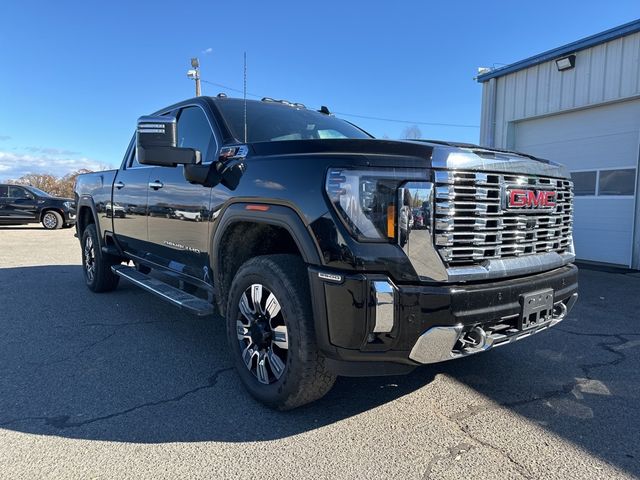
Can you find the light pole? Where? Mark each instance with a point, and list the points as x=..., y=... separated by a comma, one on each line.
x=194, y=74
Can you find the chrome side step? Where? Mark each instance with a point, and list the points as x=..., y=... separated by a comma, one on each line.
x=179, y=298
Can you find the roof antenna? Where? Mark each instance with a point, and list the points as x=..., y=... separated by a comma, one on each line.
x=245, y=97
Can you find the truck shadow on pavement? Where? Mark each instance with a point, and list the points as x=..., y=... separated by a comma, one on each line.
x=126, y=367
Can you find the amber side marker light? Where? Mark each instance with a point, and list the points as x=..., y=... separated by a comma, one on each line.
x=259, y=208
x=391, y=221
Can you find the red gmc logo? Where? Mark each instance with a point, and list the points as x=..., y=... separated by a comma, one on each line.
x=531, y=199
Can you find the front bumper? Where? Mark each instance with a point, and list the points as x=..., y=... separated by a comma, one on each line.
x=358, y=320
x=69, y=217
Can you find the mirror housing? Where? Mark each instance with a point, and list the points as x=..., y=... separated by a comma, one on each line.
x=156, y=140
x=227, y=170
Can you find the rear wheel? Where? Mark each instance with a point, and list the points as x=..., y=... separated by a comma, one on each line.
x=52, y=220
x=271, y=333
x=96, y=264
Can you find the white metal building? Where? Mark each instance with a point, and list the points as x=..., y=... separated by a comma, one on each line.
x=579, y=105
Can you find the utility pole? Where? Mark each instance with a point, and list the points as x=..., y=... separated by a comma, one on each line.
x=194, y=74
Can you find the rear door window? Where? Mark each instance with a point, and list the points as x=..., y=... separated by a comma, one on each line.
x=19, y=192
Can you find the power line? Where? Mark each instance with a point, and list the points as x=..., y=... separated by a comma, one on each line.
x=367, y=117
x=407, y=121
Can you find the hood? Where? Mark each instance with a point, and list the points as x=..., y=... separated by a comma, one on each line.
x=420, y=153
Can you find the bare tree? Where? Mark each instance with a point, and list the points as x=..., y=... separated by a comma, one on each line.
x=412, y=133
x=56, y=186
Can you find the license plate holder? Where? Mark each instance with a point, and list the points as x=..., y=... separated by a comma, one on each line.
x=536, y=308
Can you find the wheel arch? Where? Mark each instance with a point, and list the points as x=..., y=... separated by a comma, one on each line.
x=244, y=233
x=86, y=215
x=44, y=211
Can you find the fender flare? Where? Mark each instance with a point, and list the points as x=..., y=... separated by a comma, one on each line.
x=87, y=201
x=277, y=215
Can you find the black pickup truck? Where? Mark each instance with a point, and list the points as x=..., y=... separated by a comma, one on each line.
x=329, y=252
x=20, y=204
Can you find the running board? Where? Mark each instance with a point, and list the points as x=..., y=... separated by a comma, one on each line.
x=179, y=298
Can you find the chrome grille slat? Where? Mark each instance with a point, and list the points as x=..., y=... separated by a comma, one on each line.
x=471, y=224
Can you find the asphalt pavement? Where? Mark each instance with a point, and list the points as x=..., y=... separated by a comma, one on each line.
x=122, y=385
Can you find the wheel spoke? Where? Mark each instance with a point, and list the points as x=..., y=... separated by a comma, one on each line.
x=263, y=374
x=281, y=337
x=247, y=355
x=277, y=366
x=245, y=309
x=242, y=331
x=273, y=306
x=256, y=297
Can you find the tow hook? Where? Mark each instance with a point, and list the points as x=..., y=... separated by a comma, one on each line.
x=474, y=339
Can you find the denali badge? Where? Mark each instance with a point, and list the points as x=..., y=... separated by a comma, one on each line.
x=534, y=199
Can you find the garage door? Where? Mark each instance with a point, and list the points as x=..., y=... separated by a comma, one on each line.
x=600, y=147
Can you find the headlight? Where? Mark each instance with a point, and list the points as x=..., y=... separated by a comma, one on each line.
x=68, y=205
x=365, y=200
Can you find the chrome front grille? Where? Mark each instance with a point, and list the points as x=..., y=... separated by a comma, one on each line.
x=473, y=224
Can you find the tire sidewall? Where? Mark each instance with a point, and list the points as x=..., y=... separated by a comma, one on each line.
x=57, y=218
x=90, y=231
x=274, y=393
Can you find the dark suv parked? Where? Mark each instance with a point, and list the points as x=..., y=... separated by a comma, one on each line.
x=20, y=204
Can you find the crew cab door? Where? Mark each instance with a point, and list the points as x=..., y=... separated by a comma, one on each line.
x=178, y=210
x=21, y=205
x=128, y=208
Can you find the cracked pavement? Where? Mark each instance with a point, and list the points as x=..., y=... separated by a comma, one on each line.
x=122, y=385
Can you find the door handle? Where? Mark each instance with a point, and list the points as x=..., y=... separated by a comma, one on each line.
x=118, y=185
x=156, y=185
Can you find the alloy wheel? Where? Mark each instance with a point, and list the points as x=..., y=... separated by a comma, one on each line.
x=262, y=334
x=50, y=220
x=89, y=258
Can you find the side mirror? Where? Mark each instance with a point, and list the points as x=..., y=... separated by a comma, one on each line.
x=227, y=170
x=156, y=140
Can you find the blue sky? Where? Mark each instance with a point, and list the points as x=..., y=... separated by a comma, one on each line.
x=74, y=76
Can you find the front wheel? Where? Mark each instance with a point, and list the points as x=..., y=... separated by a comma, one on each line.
x=52, y=220
x=96, y=264
x=271, y=333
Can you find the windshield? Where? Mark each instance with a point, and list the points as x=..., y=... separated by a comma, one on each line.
x=38, y=192
x=272, y=121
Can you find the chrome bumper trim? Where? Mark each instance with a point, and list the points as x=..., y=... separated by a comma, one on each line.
x=511, y=267
x=384, y=297
x=437, y=344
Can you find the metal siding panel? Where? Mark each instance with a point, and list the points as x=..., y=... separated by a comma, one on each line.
x=583, y=78
x=613, y=70
x=567, y=94
x=544, y=88
x=531, y=92
x=500, y=92
x=509, y=98
x=484, y=112
x=555, y=89
x=596, y=75
x=520, y=94
x=630, y=75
